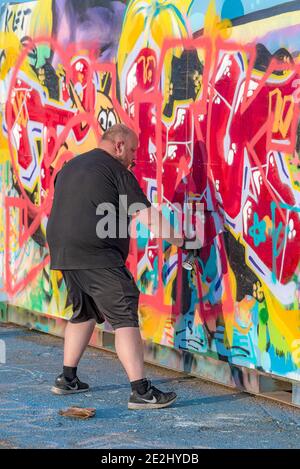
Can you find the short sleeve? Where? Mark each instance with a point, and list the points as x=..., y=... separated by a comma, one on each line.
x=129, y=186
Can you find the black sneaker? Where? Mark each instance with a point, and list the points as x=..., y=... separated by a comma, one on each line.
x=64, y=386
x=152, y=399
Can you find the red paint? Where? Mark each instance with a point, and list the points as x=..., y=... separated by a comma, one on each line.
x=250, y=129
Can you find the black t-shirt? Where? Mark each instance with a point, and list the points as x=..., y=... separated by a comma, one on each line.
x=86, y=181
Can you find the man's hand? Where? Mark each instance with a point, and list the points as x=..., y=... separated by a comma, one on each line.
x=179, y=242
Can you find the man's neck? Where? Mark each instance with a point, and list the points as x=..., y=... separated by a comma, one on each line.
x=107, y=147
x=109, y=150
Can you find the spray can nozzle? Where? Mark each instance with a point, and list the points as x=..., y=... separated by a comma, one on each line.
x=189, y=262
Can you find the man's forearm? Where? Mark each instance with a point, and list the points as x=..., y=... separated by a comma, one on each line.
x=159, y=226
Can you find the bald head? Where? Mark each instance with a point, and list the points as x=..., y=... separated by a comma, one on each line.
x=120, y=142
x=117, y=132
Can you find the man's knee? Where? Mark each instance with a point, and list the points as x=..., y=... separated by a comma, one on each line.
x=126, y=325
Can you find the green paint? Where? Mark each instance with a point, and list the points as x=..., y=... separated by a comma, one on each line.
x=39, y=56
x=277, y=340
x=262, y=337
x=263, y=315
x=267, y=330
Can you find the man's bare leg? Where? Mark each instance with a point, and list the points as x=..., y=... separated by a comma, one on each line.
x=130, y=350
x=77, y=337
x=129, y=347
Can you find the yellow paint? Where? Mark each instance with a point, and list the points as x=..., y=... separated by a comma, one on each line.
x=269, y=224
x=10, y=43
x=55, y=276
x=255, y=30
x=38, y=23
x=147, y=72
x=12, y=47
x=169, y=286
x=91, y=141
x=296, y=351
x=243, y=315
x=213, y=26
x=284, y=107
x=152, y=19
x=153, y=323
x=2, y=227
x=149, y=23
x=4, y=151
x=293, y=163
x=286, y=322
x=230, y=288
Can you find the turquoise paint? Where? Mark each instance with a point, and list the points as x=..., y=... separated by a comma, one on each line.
x=258, y=230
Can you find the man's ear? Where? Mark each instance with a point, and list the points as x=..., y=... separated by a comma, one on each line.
x=119, y=147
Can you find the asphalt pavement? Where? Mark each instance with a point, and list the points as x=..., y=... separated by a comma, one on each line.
x=205, y=415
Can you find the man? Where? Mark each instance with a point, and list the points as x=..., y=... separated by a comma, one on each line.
x=99, y=285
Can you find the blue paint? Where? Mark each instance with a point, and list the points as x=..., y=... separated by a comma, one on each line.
x=289, y=207
x=257, y=230
x=210, y=276
x=241, y=60
x=275, y=232
x=280, y=365
x=232, y=9
x=2, y=2
x=256, y=265
x=28, y=178
x=245, y=181
x=282, y=166
x=230, y=223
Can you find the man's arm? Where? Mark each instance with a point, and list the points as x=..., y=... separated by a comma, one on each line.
x=141, y=209
x=154, y=220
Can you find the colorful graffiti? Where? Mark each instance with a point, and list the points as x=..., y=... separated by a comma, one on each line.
x=213, y=90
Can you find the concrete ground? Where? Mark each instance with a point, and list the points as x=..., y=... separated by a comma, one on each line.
x=205, y=415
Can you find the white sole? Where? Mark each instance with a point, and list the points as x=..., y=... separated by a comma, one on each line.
x=134, y=406
x=56, y=390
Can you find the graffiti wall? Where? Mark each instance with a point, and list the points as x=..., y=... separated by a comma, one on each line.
x=213, y=89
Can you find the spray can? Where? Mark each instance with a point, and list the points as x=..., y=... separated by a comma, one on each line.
x=189, y=262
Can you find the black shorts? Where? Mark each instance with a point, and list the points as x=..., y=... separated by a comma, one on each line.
x=108, y=293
